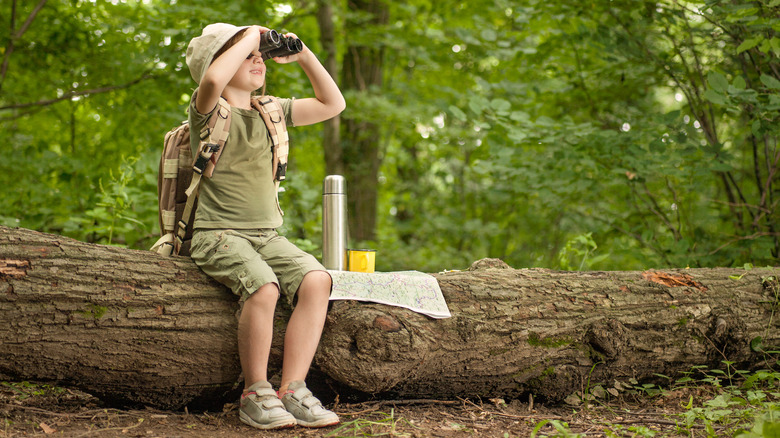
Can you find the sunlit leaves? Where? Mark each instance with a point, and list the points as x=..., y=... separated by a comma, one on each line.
x=506, y=129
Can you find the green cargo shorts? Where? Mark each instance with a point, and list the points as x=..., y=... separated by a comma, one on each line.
x=245, y=260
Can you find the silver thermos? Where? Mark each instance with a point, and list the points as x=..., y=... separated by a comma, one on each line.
x=334, y=223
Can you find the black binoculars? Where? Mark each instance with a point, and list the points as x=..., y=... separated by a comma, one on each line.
x=272, y=44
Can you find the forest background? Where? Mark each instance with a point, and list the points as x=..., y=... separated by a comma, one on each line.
x=571, y=134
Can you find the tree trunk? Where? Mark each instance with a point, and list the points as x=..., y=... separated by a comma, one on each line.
x=362, y=73
x=331, y=137
x=132, y=326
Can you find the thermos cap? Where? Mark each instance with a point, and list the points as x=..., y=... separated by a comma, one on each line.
x=334, y=184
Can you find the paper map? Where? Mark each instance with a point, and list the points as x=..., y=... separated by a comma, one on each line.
x=413, y=290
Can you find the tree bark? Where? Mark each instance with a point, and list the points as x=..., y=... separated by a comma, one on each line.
x=550, y=332
x=132, y=326
x=331, y=136
x=362, y=73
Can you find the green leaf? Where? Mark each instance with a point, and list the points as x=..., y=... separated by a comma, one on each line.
x=517, y=136
x=719, y=166
x=500, y=105
x=750, y=43
x=756, y=344
x=519, y=116
x=457, y=113
x=715, y=97
x=717, y=81
x=771, y=428
x=488, y=35
x=775, y=43
x=477, y=104
x=770, y=82
x=739, y=83
x=671, y=116
x=755, y=127
x=765, y=46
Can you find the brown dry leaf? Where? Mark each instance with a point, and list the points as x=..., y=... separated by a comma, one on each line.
x=46, y=428
x=498, y=402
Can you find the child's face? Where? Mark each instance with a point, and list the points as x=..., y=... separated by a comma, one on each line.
x=251, y=75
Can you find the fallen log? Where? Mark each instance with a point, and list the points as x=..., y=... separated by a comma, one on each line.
x=134, y=327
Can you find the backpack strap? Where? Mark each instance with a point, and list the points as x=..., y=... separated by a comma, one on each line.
x=216, y=130
x=271, y=111
x=212, y=141
x=273, y=115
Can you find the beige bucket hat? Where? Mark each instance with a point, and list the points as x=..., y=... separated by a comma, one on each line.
x=202, y=49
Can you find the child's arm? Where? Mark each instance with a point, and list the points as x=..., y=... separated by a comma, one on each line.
x=328, y=101
x=222, y=69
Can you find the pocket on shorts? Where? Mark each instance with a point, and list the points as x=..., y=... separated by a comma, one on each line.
x=205, y=243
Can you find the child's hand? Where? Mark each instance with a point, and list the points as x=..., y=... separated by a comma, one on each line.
x=259, y=30
x=291, y=58
x=254, y=33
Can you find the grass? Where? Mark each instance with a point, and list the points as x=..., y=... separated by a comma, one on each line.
x=385, y=425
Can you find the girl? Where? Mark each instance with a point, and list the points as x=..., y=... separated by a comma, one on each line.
x=234, y=239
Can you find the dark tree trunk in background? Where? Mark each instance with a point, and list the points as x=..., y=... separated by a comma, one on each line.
x=132, y=326
x=331, y=141
x=362, y=73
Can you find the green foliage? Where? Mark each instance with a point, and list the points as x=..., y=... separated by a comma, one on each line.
x=120, y=207
x=377, y=424
x=526, y=131
x=561, y=429
x=23, y=390
x=579, y=248
x=729, y=402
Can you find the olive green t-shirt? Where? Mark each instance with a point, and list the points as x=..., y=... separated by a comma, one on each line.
x=241, y=193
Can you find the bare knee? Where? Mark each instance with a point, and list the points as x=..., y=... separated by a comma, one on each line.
x=264, y=297
x=315, y=285
x=318, y=280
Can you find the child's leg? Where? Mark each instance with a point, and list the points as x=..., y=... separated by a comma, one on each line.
x=229, y=257
x=255, y=332
x=305, y=327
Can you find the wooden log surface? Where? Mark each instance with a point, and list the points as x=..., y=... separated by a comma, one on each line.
x=134, y=327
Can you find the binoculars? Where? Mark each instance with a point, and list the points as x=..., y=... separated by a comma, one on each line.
x=272, y=44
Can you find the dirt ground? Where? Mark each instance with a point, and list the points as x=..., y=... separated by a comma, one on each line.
x=40, y=410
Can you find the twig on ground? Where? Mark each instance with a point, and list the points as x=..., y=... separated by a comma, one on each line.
x=380, y=403
x=122, y=428
x=516, y=417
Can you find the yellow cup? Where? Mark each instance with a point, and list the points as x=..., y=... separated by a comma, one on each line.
x=361, y=260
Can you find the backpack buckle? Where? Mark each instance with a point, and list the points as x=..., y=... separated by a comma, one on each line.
x=205, y=155
x=200, y=164
x=281, y=171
